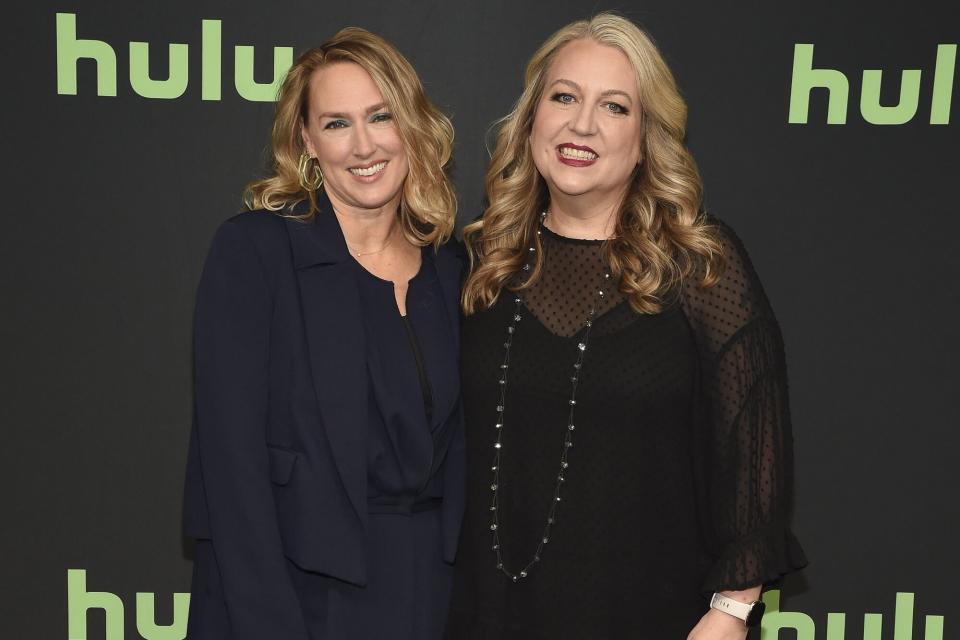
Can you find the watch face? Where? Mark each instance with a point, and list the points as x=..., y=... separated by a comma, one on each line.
x=756, y=613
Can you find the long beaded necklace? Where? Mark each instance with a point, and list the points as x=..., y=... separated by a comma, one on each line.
x=495, y=527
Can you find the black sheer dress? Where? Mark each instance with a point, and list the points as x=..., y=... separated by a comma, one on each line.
x=679, y=477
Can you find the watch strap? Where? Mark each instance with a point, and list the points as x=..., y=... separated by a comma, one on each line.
x=734, y=607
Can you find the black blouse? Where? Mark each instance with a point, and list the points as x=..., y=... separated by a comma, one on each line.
x=413, y=384
x=680, y=474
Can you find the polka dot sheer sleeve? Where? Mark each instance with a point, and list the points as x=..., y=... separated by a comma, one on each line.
x=743, y=445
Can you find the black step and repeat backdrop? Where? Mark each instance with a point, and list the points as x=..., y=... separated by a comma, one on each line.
x=827, y=134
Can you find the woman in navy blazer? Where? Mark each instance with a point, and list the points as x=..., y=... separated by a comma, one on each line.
x=325, y=474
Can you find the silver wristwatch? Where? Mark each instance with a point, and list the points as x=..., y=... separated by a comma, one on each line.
x=749, y=612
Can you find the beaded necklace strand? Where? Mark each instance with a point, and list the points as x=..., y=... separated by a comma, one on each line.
x=495, y=527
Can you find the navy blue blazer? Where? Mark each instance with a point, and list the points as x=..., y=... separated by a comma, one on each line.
x=277, y=461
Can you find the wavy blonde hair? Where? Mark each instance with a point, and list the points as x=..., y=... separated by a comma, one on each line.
x=428, y=204
x=661, y=235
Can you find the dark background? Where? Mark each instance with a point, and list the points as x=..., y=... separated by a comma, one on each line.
x=112, y=202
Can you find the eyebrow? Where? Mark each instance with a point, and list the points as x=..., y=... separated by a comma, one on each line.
x=605, y=94
x=369, y=110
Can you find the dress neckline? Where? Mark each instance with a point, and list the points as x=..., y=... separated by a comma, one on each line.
x=565, y=239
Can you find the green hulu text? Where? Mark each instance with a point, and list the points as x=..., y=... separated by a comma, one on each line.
x=802, y=627
x=806, y=78
x=71, y=49
x=793, y=624
x=80, y=601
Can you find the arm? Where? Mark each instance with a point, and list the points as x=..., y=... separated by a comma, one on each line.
x=231, y=355
x=748, y=462
x=743, y=441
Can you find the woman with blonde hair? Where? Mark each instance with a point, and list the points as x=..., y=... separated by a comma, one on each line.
x=325, y=474
x=624, y=385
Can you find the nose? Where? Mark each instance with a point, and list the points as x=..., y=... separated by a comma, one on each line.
x=583, y=122
x=363, y=144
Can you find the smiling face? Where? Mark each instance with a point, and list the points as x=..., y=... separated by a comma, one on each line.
x=585, y=137
x=352, y=134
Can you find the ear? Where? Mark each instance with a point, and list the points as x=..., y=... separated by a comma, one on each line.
x=307, y=143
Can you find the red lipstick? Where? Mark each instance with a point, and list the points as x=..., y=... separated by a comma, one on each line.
x=576, y=161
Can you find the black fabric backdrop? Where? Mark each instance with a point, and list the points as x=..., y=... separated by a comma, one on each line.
x=112, y=202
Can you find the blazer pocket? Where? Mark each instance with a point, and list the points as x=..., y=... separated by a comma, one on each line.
x=281, y=464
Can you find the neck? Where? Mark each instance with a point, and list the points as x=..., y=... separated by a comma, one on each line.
x=584, y=216
x=366, y=229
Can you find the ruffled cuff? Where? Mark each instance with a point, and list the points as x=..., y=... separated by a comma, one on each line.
x=759, y=558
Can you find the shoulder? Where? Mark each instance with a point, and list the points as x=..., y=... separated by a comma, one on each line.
x=730, y=242
x=738, y=271
x=251, y=241
x=451, y=260
x=451, y=255
x=735, y=300
x=453, y=249
x=263, y=229
x=259, y=231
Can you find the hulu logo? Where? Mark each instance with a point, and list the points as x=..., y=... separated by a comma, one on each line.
x=802, y=627
x=71, y=49
x=806, y=78
x=79, y=601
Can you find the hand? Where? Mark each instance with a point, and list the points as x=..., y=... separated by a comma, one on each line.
x=717, y=625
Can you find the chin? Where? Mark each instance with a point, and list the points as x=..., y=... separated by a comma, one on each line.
x=575, y=187
x=371, y=196
x=374, y=200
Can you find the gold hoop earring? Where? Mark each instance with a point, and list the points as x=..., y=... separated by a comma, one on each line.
x=310, y=180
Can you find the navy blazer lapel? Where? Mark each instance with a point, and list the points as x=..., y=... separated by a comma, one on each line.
x=449, y=266
x=335, y=339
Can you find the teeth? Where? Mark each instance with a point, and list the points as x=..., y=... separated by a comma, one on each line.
x=369, y=171
x=578, y=154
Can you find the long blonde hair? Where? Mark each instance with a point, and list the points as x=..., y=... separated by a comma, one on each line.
x=660, y=237
x=428, y=204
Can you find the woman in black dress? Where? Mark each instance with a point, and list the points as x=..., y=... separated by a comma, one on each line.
x=624, y=384
x=325, y=482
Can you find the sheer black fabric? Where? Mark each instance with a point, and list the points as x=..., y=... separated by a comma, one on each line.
x=572, y=273
x=745, y=443
x=680, y=473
